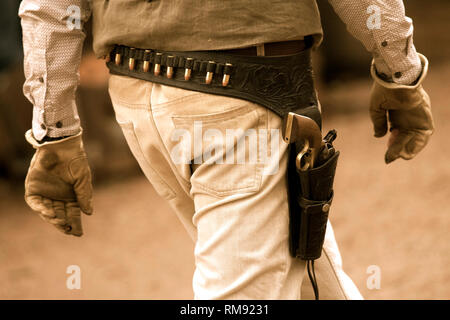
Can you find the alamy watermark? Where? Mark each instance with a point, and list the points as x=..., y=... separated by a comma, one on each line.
x=374, y=20
x=74, y=17
x=374, y=280
x=234, y=146
x=74, y=279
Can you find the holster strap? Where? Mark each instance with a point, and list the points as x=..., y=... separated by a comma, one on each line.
x=312, y=206
x=314, y=217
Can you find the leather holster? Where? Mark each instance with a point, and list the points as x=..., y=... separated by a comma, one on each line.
x=310, y=196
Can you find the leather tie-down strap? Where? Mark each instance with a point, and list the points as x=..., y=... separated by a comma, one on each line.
x=281, y=83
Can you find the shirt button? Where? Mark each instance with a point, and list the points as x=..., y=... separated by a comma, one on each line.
x=397, y=74
x=43, y=126
x=59, y=124
x=41, y=79
x=384, y=43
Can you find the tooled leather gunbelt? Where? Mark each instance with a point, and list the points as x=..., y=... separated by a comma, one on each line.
x=282, y=83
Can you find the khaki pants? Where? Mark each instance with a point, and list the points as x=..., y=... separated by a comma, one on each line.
x=231, y=197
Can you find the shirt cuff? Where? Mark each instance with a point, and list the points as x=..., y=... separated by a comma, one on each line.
x=55, y=124
x=407, y=72
x=393, y=85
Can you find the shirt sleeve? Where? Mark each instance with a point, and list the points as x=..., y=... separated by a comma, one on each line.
x=52, y=33
x=385, y=31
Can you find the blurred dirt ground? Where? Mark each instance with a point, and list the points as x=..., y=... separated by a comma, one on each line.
x=395, y=217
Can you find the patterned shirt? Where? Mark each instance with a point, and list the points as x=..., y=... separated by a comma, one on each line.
x=53, y=38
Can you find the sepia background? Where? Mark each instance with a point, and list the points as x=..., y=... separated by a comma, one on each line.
x=392, y=216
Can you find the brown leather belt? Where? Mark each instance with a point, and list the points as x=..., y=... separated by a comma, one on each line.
x=270, y=49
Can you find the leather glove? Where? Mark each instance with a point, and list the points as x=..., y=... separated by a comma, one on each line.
x=58, y=184
x=408, y=110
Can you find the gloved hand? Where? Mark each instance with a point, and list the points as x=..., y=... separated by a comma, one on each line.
x=58, y=183
x=408, y=110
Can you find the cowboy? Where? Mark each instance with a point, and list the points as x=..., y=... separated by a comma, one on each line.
x=177, y=64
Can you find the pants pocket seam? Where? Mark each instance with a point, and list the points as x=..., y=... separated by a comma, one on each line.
x=261, y=122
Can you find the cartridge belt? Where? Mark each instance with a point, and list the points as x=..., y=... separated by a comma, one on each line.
x=281, y=83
